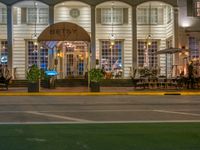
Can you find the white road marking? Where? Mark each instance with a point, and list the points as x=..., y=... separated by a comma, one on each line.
x=57, y=116
x=79, y=111
x=102, y=122
x=176, y=112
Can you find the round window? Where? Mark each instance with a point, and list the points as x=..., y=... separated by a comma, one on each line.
x=74, y=13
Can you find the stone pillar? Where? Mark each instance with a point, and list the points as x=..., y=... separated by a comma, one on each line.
x=134, y=37
x=10, y=37
x=51, y=14
x=93, y=37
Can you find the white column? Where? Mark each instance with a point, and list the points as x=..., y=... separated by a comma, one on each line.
x=51, y=14
x=10, y=37
x=134, y=36
x=176, y=35
x=93, y=37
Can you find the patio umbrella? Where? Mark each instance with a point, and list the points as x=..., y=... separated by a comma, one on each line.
x=170, y=51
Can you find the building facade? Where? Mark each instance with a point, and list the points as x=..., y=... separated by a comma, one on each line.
x=124, y=35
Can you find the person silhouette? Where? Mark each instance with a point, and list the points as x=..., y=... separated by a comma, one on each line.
x=190, y=75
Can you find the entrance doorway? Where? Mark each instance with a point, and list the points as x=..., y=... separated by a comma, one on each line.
x=71, y=59
x=68, y=49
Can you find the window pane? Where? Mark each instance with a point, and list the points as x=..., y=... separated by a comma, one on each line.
x=32, y=15
x=142, y=16
x=194, y=48
x=3, y=15
x=151, y=52
x=106, y=16
x=169, y=14
x=43, y=15
x=111, y=58
x=4, y=52
x=117, y=16
x=154, y=16
x=33, y=56
x=197, y=7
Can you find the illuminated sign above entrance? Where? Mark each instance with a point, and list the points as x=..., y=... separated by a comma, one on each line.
x=64, y=31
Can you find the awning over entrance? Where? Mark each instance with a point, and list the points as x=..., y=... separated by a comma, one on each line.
x=64, y=31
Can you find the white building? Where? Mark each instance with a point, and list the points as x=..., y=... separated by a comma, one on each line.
x=168, y=23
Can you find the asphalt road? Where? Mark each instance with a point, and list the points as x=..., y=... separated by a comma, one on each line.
x=98, y=109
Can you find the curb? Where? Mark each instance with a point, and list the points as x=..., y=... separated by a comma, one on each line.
x=100, y=94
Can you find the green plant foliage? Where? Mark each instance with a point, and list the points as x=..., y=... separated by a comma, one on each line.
x=33, y=74
x=96, y=75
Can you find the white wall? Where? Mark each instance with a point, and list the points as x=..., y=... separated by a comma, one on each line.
x=62, y=14
x=21, y=33
x=158, y=32
x=3, y=28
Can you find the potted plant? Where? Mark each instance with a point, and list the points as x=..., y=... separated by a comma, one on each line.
x=96, y=75
x=33, y=76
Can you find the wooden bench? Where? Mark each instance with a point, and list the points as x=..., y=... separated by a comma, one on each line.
x=4, y=82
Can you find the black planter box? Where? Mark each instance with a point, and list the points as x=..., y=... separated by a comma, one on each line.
x=94, y=87
x=33, y=87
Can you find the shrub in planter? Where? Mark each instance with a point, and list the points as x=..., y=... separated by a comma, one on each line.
x=33, y=76
x=96, y=75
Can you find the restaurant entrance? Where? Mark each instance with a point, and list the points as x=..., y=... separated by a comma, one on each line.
x=71, y=60
x=68, y=49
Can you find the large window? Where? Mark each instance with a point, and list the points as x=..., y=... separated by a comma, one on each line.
x=194, y=48
x=33, y=55
x=111, y=55
x=169, y=14
x=3, y=15
x=142, y=17
x=32, y=15
x=150, y=50
x=4, y=52
x=112, y=15
x=197, y=8
x=37, y=15
x=146, y=15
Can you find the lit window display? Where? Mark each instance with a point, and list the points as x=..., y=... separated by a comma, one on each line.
x=33, y=55
x=111, y=57
x=4, y=52
x=151, y=53
x=197, y=8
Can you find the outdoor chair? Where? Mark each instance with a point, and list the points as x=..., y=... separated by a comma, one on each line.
x=4, y=82
x=162, y=82
x=153, y=82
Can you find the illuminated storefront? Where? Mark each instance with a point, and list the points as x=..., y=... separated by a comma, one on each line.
x=124, y=36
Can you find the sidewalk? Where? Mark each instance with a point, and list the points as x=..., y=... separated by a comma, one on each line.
x=67, y=91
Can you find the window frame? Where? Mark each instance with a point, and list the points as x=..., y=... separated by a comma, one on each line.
x=197, y=8
x=154, y=20
x=3, y=12
x=152, y=53
x=122, y=52
x=38, y=15
x=4, y=43
x=111, y=15
x=169, y=14
x=35, y=60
